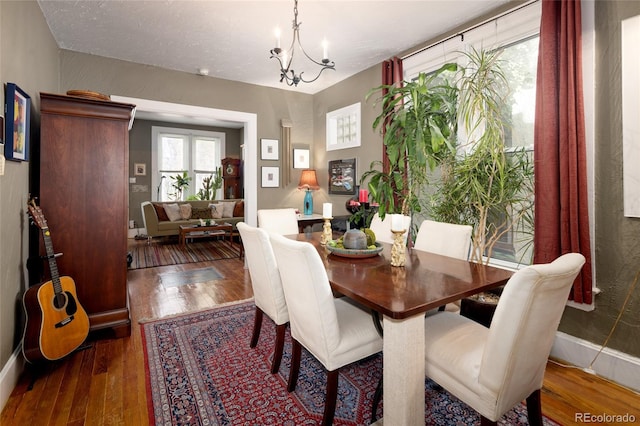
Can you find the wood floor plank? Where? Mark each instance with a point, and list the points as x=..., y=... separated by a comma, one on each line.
x=105, y=384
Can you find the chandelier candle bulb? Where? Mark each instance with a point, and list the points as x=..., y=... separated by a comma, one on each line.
x=277, y=31
x=327, y=210
x=325, y=49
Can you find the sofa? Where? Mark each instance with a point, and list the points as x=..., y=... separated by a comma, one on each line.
x=160, y=219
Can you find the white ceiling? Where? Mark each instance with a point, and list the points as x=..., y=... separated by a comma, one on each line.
x=232, y=39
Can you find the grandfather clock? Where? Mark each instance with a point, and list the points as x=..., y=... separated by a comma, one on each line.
x=232, y=175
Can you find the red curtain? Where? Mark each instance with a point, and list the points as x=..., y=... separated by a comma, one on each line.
x=561, y=210
x=391, y=74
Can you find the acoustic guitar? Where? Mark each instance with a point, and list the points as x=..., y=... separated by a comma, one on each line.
x=56, y=322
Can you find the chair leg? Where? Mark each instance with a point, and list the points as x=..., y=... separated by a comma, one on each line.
x=486, y=422
x=377, y=396
x=296, y=349
x=277, y=353
x=534, y=408
x=331, y=398
x=257, y=324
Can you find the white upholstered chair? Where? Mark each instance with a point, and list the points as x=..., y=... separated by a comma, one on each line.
x=493, y=369
x=334, y=330
x=279, y=221
x=382, y=228
x=267, y=287
x=447, y=239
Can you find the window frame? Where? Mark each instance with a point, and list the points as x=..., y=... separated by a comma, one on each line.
x=190, y=136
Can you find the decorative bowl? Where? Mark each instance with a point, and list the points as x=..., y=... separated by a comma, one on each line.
x=355, y=253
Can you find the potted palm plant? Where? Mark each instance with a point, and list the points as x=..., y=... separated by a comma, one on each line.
x=420, y=123
x=180, y=182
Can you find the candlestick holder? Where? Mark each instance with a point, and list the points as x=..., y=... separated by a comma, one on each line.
x=327, y=233
x=398, y=250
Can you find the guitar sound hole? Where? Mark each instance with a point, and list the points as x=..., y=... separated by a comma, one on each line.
x=59, y=300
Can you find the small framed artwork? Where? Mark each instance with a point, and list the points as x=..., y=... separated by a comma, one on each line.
x=342, y=177
x=300, y=158
x=268, y=149
x=270, y=177
x=140, y=169
x=18, y=115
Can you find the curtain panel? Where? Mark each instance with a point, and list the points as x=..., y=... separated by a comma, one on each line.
x=392, y=73
x=561, y=205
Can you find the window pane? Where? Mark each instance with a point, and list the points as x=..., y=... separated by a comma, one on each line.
x=206, y=154
x=520, y=63
x=172, y=150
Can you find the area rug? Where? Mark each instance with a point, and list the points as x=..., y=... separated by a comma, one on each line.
x=200, y=370
x=170, y=252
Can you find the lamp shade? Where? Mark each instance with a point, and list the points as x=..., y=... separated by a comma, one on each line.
x=308, y=180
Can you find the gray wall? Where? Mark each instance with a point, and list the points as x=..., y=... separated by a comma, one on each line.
x=28, y=58
x=128, y=79
x=140, y=152
x=617, y=238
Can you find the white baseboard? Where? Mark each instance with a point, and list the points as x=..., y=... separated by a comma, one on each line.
x=133, y=232
x=614, y=365
x=9, y=375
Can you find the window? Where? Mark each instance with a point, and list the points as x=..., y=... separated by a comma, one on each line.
x=343, y=128
x=517, y=34
x=177, y=151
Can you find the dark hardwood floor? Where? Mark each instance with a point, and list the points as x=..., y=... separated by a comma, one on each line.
x=105, y=383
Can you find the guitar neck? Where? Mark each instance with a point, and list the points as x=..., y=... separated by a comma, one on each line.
x=51, y=257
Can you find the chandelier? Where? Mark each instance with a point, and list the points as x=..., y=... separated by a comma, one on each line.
x=285, y=57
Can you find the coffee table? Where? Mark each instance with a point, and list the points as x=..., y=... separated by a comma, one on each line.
x=191, y=232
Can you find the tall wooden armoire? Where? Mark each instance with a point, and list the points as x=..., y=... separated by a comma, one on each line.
x=84, y=196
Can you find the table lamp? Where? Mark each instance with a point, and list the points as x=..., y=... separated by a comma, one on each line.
x=308, y=182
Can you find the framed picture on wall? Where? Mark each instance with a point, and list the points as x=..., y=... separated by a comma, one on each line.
x=270, y=177
x=18, y=115
x=269, y=149
x=342, y=177
x=300, y=158
x=140, y=169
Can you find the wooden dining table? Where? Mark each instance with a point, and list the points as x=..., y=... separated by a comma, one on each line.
x=402, y=295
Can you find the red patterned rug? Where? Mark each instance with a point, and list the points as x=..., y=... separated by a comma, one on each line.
x=169, y=252
x=200, y=370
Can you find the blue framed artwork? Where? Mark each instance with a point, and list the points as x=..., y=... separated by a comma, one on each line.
x=17, y=111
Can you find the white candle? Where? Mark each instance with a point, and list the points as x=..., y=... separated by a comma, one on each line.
x=327, y=210
x=277, y=37
x=396, y=222
x=325, y=49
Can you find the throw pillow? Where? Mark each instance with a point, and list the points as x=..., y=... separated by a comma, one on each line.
x=185, y=211
x=238, y=210
x=162, y=215
x=173, y=211
x=216, y=210
x=227, y=208
x=201, y=213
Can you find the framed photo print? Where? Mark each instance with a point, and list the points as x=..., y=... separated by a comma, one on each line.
x=270, y=177
x=268, y=149
x=342, y=177
x=140, y=169
x=18, y=115
x=300, y=158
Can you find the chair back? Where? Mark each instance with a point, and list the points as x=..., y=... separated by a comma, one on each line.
x=263, y=269
x=280, y=221
x=382, y=228
x=447, y=239
x=312, y=311
x=524, y=327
